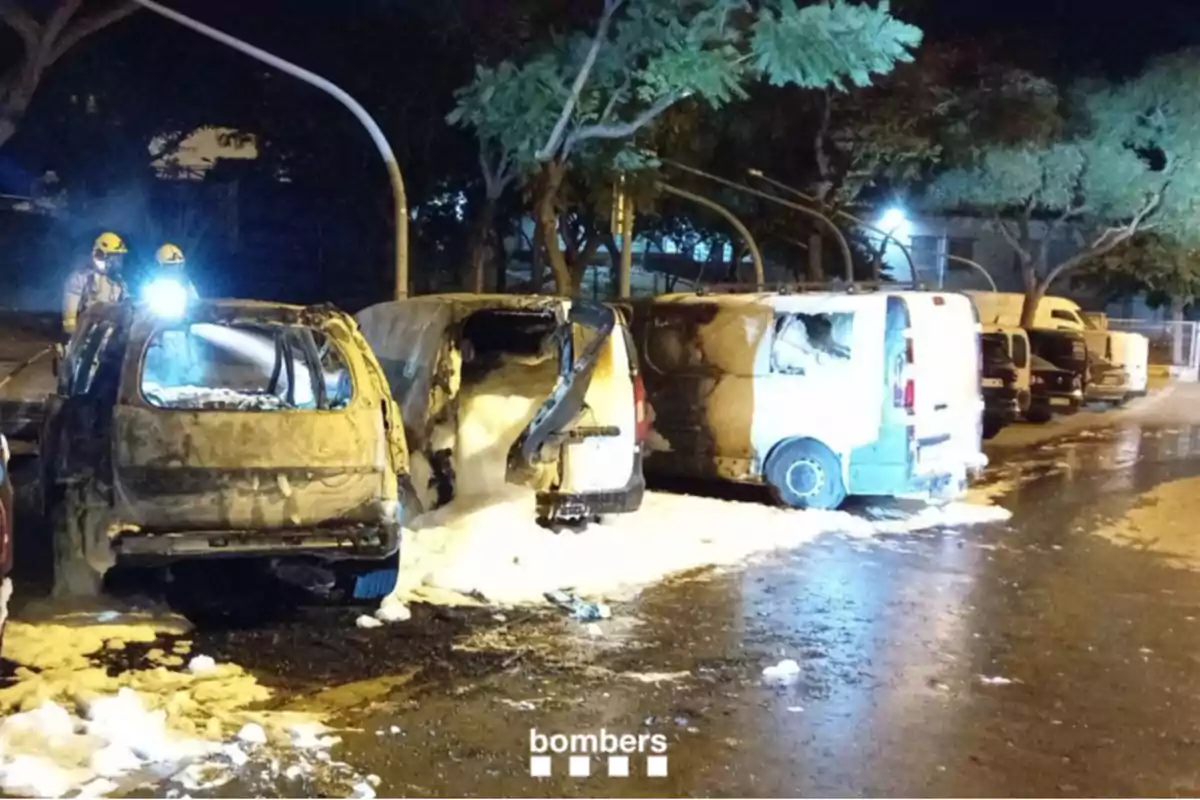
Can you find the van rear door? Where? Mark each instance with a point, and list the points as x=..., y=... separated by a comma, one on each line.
x=589, y=424
x=948, y=403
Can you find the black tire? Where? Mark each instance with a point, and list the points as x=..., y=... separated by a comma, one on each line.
x=991, y=428
x=1038, y=416
x=73, y=575
x=804, y=473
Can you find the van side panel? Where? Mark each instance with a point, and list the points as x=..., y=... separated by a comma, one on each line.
x=836, y=401
x=884, y=467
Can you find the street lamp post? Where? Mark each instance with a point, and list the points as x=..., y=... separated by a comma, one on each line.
x=337, y=93
x=755, y=254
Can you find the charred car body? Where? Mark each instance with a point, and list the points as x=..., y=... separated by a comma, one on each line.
x=248, y=429
x=575, y=361
x=1001, y=404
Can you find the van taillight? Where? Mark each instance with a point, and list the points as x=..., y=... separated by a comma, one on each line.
x=639, y=403
x=910, y=395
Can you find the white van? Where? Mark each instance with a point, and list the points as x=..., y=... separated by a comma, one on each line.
x=1131, y=352
x=1017, y=344
x=817, y=395
x=555, y=397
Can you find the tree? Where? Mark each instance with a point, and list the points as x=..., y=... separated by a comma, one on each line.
x=1160, y=267
x=45, y=38
x=588, y=97
x=1128, y=164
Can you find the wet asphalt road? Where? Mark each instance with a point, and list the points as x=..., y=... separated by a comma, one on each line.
x=1098, y=646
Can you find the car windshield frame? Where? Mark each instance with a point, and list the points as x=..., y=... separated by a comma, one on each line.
x=320, y=397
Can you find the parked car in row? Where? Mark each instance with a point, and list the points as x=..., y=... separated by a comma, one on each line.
x=1054, y=391
x=582, y=449
x=818, y=395
x=1015, y=342
x=246, y=429
x=1128, y=351
x=1107, y=383
x=1001, y=406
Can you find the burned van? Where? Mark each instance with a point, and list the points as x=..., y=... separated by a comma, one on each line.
x=501, y=390
x=243, y=429
x=818, y=395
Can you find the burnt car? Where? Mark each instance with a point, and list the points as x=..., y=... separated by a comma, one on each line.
x=1054, y=391
x=498, y=390
x=241, y=429
x=1001, y=406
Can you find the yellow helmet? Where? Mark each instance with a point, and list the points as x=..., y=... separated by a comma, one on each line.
x=169, y=256
x=110, y=244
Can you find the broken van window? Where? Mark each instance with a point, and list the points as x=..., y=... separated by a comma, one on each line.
x=491, y=338
x=809, y=341
x=245, y=368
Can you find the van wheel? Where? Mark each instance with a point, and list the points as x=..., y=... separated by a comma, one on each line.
x=991, y=428
x=73, y=575
x=805, y=474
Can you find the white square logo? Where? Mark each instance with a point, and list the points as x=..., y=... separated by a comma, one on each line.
x=579, y=766
x=539, y=766
x=656, y=766
x=618, y=766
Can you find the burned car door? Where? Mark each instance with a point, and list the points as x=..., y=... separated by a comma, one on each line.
x=588, y=425
x=75, y=435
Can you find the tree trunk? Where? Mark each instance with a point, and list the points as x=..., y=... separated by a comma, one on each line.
x=553, y=173
x=816, y=269
x=501, y=261
x=536, y=268
x=477, y=246
x=1033, y=295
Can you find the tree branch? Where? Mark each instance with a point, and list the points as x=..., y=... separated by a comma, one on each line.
x=1013, y=241
x=581, y=79
x=1107, y=241
x=622, y=130
x=85, y=27
x=54, y=27
x=22, y=23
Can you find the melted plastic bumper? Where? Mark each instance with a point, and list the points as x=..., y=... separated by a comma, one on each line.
x=335, y=543
x=561, y=507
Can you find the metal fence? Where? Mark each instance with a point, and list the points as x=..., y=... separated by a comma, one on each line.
x=1174, y=345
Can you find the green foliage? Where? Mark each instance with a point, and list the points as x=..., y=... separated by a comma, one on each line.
x=1128, y=144
x=829, y=44
x=656, y=53
x=1151, y=264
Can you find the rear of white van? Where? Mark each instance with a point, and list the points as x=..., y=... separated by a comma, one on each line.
x=947, y=400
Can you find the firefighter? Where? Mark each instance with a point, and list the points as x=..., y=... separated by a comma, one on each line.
x=172, y=264
x=98, y=282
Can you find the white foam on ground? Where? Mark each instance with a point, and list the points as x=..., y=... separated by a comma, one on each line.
x=72, y=728
x=498, y=550
x=487, y=541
